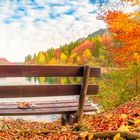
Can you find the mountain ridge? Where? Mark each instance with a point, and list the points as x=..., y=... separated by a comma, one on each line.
x=99, y=32
x=4, y=61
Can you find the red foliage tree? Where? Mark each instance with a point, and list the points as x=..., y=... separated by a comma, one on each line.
x=126, y=28
x=83, y=46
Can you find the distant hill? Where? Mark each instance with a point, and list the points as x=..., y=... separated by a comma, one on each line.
x=85, y=50
x=81, y=39
x=5, y=61
x=100, y=32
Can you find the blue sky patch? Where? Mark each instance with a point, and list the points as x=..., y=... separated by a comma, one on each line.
x=56, y=5
x=8, y=20
x=54, y=15
x=16, y=17
x=99, y=1
x=21, y=11
x=39, y=8
x=93, y=1
x=69, y=12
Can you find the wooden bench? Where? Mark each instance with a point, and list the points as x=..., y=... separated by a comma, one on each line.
x=61, y=106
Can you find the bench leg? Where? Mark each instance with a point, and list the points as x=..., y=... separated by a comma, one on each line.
x=68, y=119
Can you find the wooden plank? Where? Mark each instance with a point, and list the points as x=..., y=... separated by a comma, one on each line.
x=43, y=90
x=44, y=70
x=60, y=101
x=95, y=72
x=44, y=105
x=84, y=90
x=41, y=102
x=43, y=111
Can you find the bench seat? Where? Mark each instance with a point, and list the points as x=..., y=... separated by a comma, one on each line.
x=44, y=108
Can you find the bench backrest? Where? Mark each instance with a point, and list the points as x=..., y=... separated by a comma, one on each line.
x=82, y=89
x=13, y=91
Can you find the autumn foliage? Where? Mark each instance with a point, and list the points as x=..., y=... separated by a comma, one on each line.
x=73, y=53
x=83, y=46
x=124, y=27
x=133, y=2
x=118, y=124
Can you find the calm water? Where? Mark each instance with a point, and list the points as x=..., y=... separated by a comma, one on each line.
x=41, y=80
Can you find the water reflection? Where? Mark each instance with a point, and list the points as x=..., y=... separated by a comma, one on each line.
x=39, y=80
x=54, y=80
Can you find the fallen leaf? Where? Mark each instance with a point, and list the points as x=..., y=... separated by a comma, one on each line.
x=90, y=136
x=4, y=127
x=123, y=128
x=24, y=105
x=136, y=121
x=64, y=128
x=118, y=137
x=109, y=115
x=124, y=116
x=83, y=134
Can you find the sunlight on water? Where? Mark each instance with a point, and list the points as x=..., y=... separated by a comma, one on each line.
x=16, y=81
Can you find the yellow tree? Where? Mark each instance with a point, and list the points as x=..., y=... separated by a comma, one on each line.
x=78, y=60
x=40, y=58
x=87, y=55
x=53, y=61
x=63, y=57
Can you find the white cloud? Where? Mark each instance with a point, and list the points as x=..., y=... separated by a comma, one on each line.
x=23, y=37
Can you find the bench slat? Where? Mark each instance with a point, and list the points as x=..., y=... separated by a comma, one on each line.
x=44, y=71
x=43, y=105
x=43, y=90
x=42, y=102
x=43, y=111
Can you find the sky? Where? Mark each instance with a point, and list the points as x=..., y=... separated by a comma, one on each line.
x=30, y=26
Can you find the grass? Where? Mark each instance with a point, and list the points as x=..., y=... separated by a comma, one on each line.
x=117, y=87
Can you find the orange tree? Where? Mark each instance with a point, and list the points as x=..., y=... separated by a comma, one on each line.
x=126, y=28
x=124, y=49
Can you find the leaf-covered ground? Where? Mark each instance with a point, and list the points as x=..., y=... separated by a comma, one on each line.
x=118, y=123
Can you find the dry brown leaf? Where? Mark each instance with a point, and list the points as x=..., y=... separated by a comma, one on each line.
x=24, y=105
